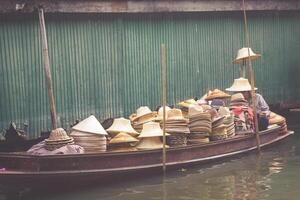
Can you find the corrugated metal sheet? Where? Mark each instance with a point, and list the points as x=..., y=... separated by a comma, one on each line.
x=109, y=65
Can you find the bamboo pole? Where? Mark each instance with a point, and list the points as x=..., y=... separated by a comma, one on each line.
x=163, y=78
x=253, y=97
x=244, y=68
x=47, y=67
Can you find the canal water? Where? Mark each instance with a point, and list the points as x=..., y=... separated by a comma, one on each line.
x=274, y=174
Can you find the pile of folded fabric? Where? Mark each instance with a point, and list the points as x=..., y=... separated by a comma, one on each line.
x=219, y=130
x=90, y=135
x=228, y=120
x=143, y=115
x=177, y=127
x=122, y=142
x=150, y=137
x=200, y=125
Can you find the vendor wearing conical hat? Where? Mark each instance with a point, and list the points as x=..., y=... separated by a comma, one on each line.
x=242, y=85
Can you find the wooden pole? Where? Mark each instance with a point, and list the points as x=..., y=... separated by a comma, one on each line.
x=252, y=81
x=244, y=68
x=47, y=67
x=163, y=78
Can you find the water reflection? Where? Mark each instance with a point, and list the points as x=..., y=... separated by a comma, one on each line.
x=271, y=175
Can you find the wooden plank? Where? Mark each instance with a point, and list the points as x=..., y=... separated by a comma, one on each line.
x=147, y=6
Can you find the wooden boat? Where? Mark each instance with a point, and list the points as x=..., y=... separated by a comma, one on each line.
x=21, y=168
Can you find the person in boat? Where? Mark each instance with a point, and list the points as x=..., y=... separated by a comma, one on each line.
x=242, y=85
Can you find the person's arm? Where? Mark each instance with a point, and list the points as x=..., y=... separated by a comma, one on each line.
x=262, y=105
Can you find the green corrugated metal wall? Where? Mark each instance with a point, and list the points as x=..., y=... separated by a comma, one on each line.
x=109, y=64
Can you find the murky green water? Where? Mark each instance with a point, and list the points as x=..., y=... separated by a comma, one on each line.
x=275, y=174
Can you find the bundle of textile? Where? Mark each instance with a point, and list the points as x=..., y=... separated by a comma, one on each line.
x=143, y=115
x=228, y=120
x=90, y=134
x=177, y=127
x=150, y=137
x=200, y=124
x=122, y=142
x=243, y=115
x=279, y=120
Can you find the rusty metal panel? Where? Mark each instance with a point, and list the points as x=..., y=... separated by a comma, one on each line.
x=110, y=64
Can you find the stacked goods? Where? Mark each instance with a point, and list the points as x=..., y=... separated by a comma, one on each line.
x=185, y=105
x=279, y=120
x=123, y=135
x=121, y=125
x=200, y=125
x=150, y=137
x=228, y=121
x=217, y=95
x=90, y=135
x=58, y=138
x=243, y=115
x=159, y=117
x=177, y=127
x=143, y=115
x=122, y=142
x=218, y=129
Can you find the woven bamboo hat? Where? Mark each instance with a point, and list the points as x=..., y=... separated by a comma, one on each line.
x=187, y=103
x=151, y=129
x=143, y=114
x=240, y=85
x=58, y=135
x=122, y=138
x=90, y=125
x=175, y=114
x=121, y=125
x=243, y=54
x=160, y=113
x=150, y=143
x=216, y=94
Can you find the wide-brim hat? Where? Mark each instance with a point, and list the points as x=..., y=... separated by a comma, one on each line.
x=243, y=54
x=150, y=143
x=58, y=135
x=175, y=114
x=90, y=125
x=216, y=94
x=187, y=103
x=238, y=98
x=151, y=129
x=142, y=112
x=121, y=125
x=240, y=85
x=122, y=138
x=160, y=113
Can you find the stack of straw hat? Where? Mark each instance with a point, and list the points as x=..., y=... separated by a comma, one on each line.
x=216, y=94
x=185, y=105
x=219, y=131
x=238, y=100
x=90, y=134
x=200, y=124
x=121, y=125
x=279, y=120
x=58, y=138
x=143, y=115
x=150, y=137
x=123, y=135
x=228, y=121
x=177, y=127
x=123, y=142
x=159, y=117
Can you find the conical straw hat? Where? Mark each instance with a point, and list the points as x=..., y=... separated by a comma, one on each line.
x=240, y=85
x=90, y=125
x=121, y=125
x=243, y=54
x=151, y=129
x=150, y=143
x=160, y=113
x=175, y=114
x=123, y=138
x=216, y=94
